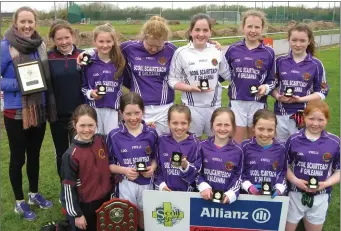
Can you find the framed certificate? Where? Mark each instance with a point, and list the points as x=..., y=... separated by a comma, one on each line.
x=30, y=77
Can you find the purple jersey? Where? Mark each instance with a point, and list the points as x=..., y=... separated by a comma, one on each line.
x=318, y=158
x=221, y=167
x=147, y=73
x=175, y=178
x=306, y=77
x=101, y=73
x=250, y=67
x=268, y=165
x=125, y=149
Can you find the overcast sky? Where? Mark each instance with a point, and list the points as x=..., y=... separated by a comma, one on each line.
x=11, y=6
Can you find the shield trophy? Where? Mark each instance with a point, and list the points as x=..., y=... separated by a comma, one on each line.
x=117, y=215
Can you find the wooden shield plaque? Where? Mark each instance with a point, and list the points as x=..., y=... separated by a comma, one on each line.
x=117, y=215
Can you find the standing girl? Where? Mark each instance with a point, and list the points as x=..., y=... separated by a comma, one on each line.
x=148, y=61
x=170, y=178
x=252, y=65
x=25, y=115
x=66, y=82
x=85, y=172
x=264, y=156
x=222, y=159
x=301, y=72
x=312, y=152
x=199, y=60
x=133, y=142
x=105, y=70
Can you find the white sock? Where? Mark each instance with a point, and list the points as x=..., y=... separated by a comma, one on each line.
x=19, y=201
x=32, y=194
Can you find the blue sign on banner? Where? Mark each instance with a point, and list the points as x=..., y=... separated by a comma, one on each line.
x=240, y=215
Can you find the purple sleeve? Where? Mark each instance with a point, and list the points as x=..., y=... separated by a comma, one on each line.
x=154, y=154
x=85, y=85
x=282, y=174
x=194, y=167
x=276, y=72
x=270, y=79
x=110, y=149
x=289, y=156
x=158, y=173
x=236, y=179
x=320, y=82
x=200, y=178
x=336, y=161
x=245, y=175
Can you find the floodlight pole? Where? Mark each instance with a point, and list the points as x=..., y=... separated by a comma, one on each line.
x=55, y=13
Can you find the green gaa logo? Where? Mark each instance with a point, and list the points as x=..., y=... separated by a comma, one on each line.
x=167, y=214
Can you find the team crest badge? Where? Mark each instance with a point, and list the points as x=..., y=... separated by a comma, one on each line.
x=214, y=62
x=162, y=61
x=327, y=157
x=275, y=165
x=148, y=150
x=324, y=85
x=259, y=63
x=306, y=76
x=229, y=165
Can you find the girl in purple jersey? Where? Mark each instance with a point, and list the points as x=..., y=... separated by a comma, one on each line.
x=105, y=73
x=222, y=159
x=301, y=78
x=252, y=66
x=129, y=144
x=314, y=160
x=178, y=178
x=264, y=156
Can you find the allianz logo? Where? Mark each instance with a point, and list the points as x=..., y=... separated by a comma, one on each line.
x=260, y=215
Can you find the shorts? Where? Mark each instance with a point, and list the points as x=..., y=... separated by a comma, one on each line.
x=285, y=127
x=201, y=120
x=159, y=115
x=107, y=120
x=315, y=215
x=244, y=111
x=132, y=192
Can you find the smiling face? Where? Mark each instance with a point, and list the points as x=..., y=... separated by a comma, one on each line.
x=265, y=131
x=25, y=23
x=299, y=42
x=85, y=128
x=222, y=126
x=200, y=33
x=179, y=125
x=104, y=42
x=63, y=40
x=132, y=116
x=253, y=29
x=315, y=122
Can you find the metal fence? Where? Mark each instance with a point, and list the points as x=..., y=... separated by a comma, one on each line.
x=281, y=46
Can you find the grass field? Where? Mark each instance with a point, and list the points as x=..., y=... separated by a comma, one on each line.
x=49, y=182
x=133, y=30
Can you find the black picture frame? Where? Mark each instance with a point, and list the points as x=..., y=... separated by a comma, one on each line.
x=24, y=81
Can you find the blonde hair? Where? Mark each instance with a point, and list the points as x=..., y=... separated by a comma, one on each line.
x=116, y=55
x=156, y=27
x=256, y=13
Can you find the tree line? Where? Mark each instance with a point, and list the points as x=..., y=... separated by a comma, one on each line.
x=107, y=11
